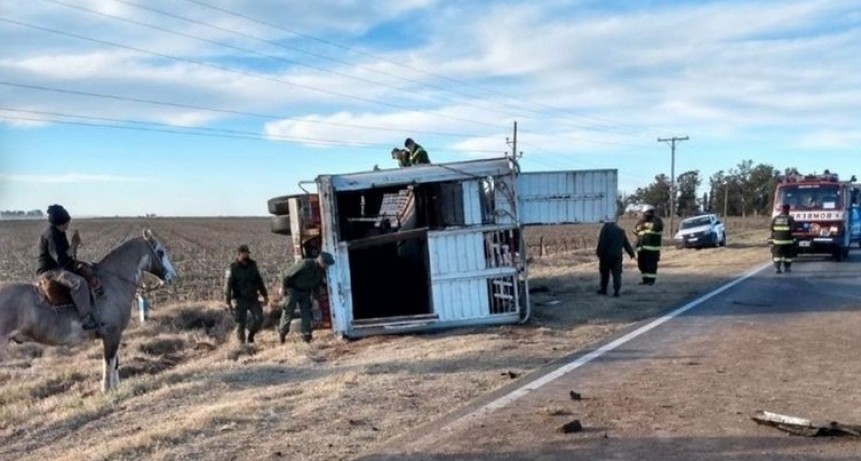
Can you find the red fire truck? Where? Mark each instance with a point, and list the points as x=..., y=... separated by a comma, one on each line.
x=826, y=212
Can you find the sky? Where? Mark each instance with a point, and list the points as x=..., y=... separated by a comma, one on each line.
x=204, y=108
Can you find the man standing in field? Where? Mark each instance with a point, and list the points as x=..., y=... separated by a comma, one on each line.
x=649, y=231
x=611, y=242
x=299, y=284
x=782, y=243
x=242, y=285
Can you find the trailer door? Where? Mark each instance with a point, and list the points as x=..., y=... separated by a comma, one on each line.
x=566, y=197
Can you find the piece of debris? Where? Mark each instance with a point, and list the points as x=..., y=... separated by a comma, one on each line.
x=539, y=289
x=552, y=302
x=806, y=427
x=575, y=395
x=277, y=454
x=572, y=427
x=511, y=374
x=559, y=412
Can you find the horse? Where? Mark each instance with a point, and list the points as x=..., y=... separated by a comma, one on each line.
x=27, y=316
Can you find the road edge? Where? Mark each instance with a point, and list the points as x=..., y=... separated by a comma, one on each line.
x=553, y=370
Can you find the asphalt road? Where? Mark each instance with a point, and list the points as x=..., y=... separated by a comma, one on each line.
x=684, y=388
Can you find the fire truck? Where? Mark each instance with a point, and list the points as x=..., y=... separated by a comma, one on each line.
x=827, y=212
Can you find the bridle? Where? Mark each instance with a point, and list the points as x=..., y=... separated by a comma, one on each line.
x=139, y=286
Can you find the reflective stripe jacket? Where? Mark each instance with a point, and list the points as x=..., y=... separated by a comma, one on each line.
x=418, y=155
x=781, y=229
x=649, y=232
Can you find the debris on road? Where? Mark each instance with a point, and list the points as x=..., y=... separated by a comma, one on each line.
x=511, y=374
x=575, y=395
x=572, y=427
x=806, y=427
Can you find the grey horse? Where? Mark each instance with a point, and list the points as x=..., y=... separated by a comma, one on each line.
x=25, y=316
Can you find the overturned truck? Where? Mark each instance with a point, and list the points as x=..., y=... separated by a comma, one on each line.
x=434, y=246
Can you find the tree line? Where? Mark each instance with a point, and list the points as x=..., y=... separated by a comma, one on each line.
x=744, y=190
x=21, y=214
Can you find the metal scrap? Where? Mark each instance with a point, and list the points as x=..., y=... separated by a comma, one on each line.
x=805, y=427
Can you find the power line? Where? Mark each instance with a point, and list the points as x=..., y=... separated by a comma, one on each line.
x=197, y=131
x=229, y=111
x=384, y=59
x=236, y=71
x=258, y=54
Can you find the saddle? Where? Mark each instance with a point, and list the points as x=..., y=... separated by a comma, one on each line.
x=58, y=295
x=53, y=293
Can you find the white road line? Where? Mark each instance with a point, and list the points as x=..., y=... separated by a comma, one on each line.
x=567, y=368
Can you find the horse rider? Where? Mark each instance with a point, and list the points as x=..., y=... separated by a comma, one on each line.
x=298, y=285
x=241, y=288
x=417, y=155
x=58, y=265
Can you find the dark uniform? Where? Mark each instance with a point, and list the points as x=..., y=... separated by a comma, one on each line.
x=611, y=242
x=416, y=154
x=782, y=243
x=649, y=231
x=298, y=284
x=56, y=264
x=243, y=283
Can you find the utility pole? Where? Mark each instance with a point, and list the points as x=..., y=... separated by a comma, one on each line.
x=513, y=143
x=672, y=141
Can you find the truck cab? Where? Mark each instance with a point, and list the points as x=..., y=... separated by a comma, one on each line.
x=825, y=209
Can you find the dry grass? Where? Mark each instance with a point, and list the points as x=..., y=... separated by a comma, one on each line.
x=190, y=393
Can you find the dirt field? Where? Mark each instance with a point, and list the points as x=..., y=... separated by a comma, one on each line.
x=189, y=393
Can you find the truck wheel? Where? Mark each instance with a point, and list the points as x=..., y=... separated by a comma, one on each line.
x=280, y=225
x=280, y=205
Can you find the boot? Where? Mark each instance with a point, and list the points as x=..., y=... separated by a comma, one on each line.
x=250, y=338
x=787, y=268
x=89, y=322
x=306, y=337
x=282, y=337
x=644, y=282
x=602, y=291
x=616, y=294
x=240, y=334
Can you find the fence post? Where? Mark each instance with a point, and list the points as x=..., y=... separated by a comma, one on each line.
x=541, y=250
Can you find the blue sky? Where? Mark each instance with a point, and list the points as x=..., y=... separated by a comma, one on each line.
x=592, y=84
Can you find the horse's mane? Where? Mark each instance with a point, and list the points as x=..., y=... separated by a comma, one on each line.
x=120, y=248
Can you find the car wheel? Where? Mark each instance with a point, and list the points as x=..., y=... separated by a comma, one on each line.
x=723, y=240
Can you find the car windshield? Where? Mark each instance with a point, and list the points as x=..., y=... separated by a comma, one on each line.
x=696, y=222
x=809, y=197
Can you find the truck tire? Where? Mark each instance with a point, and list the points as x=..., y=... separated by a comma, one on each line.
x=280, y=205
x=280, y=225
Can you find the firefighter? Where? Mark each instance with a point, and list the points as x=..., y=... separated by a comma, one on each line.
x=649, y=230
x=782, y=243
x=242, y=286
x=417, y=154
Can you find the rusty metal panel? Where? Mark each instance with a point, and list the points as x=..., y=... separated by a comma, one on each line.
x=566, y=197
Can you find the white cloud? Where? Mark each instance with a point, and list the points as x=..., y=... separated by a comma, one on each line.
x=68, y=178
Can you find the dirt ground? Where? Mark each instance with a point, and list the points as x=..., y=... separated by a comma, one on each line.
x=687, y=389
x=189, y=393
